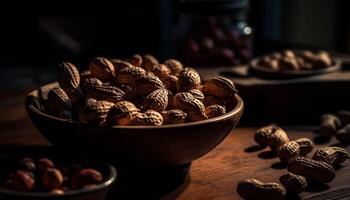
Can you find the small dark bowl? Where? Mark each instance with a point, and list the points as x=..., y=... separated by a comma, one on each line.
x=166, y=145
x=264, y=72
x=97, y=193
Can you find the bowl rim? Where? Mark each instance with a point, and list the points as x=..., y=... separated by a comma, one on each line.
x=108, y=182
x=256, y=67
x=236, y=110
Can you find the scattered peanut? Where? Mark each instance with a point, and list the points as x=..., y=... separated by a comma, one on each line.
x=316, y=170
x=277, y=139
x=329, y=125
x=305, y=145
x=262, y=135
x=331, y=155
x=293, y=183
x=343, y=135
x=288, y=151
x=254, y=189
x=344, y=116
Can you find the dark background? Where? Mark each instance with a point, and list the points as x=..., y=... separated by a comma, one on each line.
x=40, y=36
x=34, y=40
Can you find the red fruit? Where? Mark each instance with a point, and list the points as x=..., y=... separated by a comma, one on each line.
x=45, y=163
x=86, y=177
x=52, y=179
x=20, y=181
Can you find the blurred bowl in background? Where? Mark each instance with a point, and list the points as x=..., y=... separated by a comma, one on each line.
x=98, y=192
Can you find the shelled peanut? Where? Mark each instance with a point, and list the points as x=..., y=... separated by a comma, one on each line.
x=137, y=91
x=43, y=175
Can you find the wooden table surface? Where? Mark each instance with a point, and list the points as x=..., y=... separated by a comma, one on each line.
x=213, y=176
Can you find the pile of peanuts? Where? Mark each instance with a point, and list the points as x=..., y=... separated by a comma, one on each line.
x=43, y=175
x=301, y=169
x=291, y=61
x=137, y=91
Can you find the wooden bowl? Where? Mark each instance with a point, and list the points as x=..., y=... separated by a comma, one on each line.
x=166, y=145
x=264, y=72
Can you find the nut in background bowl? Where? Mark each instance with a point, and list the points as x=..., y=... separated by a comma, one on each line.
x=166, y=145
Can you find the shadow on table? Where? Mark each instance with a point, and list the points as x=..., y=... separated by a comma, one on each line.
x=254, y=148
x=316, y=187
x=279, y=165
x=267, y=154
x=145, y=183
x=339, y=144
x=292, y=196
x=321, y=139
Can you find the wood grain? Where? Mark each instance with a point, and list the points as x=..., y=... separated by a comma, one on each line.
x=213, y=176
